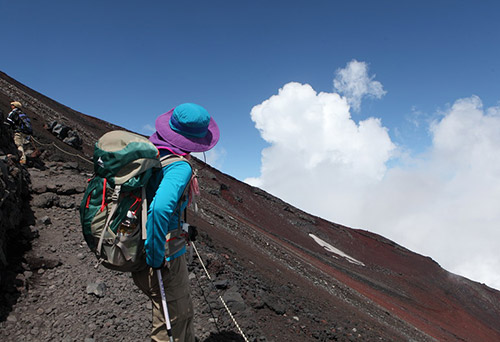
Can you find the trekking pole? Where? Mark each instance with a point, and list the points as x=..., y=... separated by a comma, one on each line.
x=164, y=303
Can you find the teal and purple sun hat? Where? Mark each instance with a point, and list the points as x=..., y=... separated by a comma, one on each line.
x=188, y=128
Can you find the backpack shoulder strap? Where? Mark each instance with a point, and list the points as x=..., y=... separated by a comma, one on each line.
x=166, y=160
x=144, y=212
x=174, y=239
x=172, y=158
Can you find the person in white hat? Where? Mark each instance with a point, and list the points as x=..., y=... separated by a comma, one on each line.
x=18, y=121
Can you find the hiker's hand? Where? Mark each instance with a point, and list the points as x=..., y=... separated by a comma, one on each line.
x=192, y=233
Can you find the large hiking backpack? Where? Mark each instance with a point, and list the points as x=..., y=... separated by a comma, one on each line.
x=123, y=164
x=25, y=124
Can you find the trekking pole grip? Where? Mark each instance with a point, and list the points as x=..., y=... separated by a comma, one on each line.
x=164, y=304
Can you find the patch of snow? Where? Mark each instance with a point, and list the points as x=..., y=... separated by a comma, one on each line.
x=334, y=250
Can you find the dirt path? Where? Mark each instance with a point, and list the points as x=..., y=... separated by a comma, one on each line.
x=62, y=297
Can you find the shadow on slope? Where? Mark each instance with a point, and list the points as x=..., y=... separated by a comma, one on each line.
x=13, y=278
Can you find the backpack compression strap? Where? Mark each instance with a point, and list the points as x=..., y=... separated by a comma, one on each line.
x=114, y=205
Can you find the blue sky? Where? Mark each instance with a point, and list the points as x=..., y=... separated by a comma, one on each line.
x=127, y=62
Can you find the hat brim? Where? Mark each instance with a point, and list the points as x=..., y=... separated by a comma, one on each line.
x=188, y=144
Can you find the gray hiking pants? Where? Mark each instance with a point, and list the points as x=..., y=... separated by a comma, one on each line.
x=179, y=303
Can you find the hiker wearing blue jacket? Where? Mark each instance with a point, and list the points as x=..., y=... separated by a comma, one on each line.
x=186, y=128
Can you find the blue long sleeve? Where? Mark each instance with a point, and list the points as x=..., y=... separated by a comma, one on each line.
x=167, y=186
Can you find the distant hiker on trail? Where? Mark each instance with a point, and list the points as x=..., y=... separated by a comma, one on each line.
x=21, y=125
x=186, y=128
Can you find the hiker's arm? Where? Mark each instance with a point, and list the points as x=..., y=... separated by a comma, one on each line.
x=12, y=118
x=161, y=210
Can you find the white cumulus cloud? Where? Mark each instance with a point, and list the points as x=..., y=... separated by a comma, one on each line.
x=444, y=203
x=317, y=151
x=354, y=82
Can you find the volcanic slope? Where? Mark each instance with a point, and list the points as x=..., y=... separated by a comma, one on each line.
x=287, y=275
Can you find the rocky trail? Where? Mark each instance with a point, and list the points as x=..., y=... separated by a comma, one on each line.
x=60, y=296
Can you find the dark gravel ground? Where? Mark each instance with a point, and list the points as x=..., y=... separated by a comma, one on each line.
x=60, y=296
